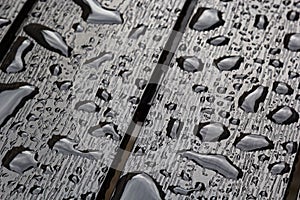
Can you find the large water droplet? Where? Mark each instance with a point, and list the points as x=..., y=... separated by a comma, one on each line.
x=190, y=63
x=180, y=190
x=211, y=131
x=261, y=22
x=48, y=38
x=228, y=63
x=105, y=129
x=97, y=61
x=283, y=115
x=66, y=146
x=13, y=97
x=14, y=61
x=93, y=12
x=138, y=31
x=253, y=142
x=218, y=40
x=279, y=168
x=282, y=88
x=20, y=159
x=292, y=41
x=137, y=186
x=206, y=19
x=215, y=162
x=174, y=128
x=250, y=100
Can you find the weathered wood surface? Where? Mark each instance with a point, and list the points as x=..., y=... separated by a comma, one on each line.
x=60, y=173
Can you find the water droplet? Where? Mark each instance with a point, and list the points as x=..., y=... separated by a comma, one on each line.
x=174, y=128
x=211, y=131
x=171, y=106
x=4, y=22
x=66, y=146
x=190, y=63
x=93, y=12
x=55, y=69
x=87, y=106
x=276, y=63
x=228, y=63
x=250, y=100
x=218, y=40
x=216, y=162
x=206, y=19
x=36, y=190
x=291, y=147
x=20, y=159
x=253, y=142
x=293, y=75
x=14, y=61
x=74, y=178
x=77, y=27
x=180, y=190
x=105, y=129
x=136, y=186
x=138, y=31
x=97, y=61
x=88, y=196
x=292, y=41
x=13, y=97
x=103, y=94
x=283, y=115
x=279, y=168
x=261, y=22
x=199, y=88
x=63, y=85
x=282, y=88
x=48, y=38
x=292, y=15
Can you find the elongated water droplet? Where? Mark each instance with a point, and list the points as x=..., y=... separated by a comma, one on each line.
x=14, y=61
x=282, y=88
x=66, y=146
x=279, y=168
x=261, y=22
x=4, y=22
x=105, y=129
x=190, y=63
x=218, y=40
x=250, y=100
x=174, y=128
x=199, y=88
x=180, y=190
x=138, y=31
x=292, y=41
x=48, y=38
x=253, y=142
x=97, y=61
x=20, y=159
x=211, y=131
x=206, y=19
x=87, y=106
x=63, y=85
x=228, y=63
x=136, y=186
x=215, y=162
x=93, y=12
x=283, y=115
x=13, y=97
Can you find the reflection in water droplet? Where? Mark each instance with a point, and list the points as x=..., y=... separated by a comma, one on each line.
x=283, y=115
x=66, y=146
x=138, y=31
x=174, y=128
x=87, y=106
x=228, y=63
x=97, y=61
x=250, y=100
x=282, y=88
x=206, y=19
x=13, y=97
x=105, y=129
x=215, y=162
x=218, y=40
x=179, y=190
x=19, y=159
x=279, y=168
x=93, y=12
x=253, y=142
x=14, y=61
x=211, y=131
x=292, y=41
x=137, y=186
x=48, y=38
x=190, y=63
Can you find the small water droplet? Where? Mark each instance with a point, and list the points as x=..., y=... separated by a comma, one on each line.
x=97, y=61
x=293, y=15
x=218, y=40
x=261, y=22
x=174, y=128
x=228, y=63
x=279, y=168
x=180, y=190
x=291, y=147
x=253, y=142
x=105, y=129
x=292, y=41
x=4, y=22
x=283, y=115
x=211, y=131
x=55, y=69
x=190, y=63
x=87, y=106
x=103, y=94
x=282, y=88
x=138, y=31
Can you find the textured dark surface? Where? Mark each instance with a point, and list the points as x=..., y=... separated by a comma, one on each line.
x=153, y=93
